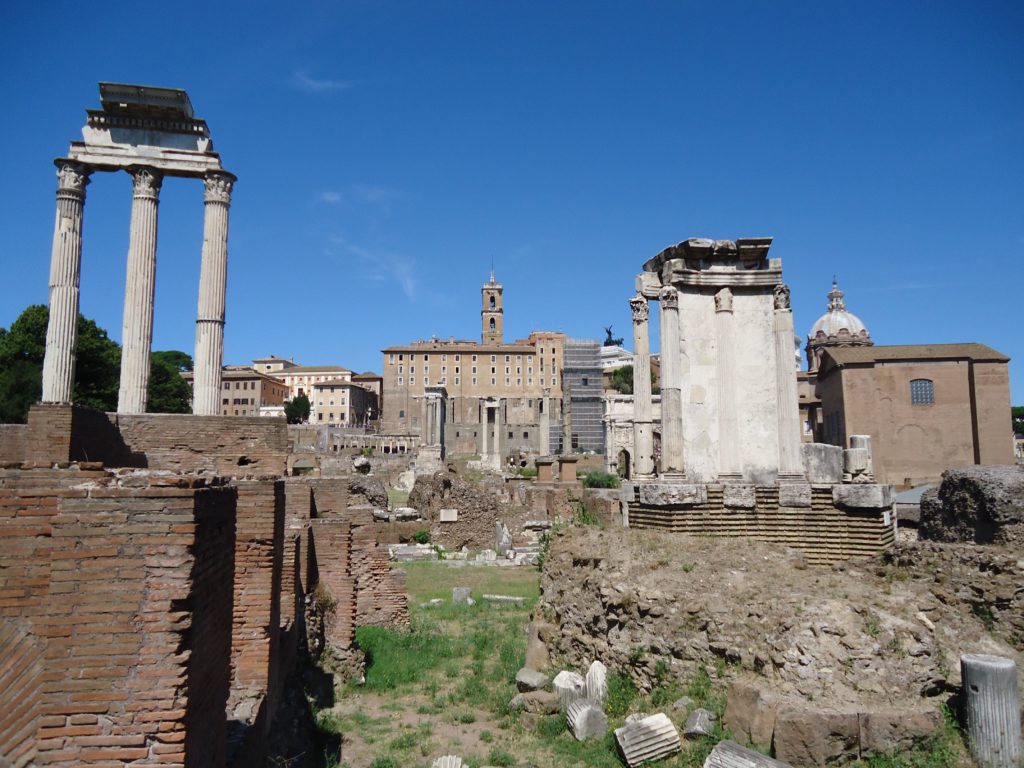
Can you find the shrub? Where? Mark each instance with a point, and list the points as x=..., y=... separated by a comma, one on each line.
x=421, y=537
x=600, y=480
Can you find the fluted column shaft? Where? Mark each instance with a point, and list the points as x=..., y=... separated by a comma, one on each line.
x=213, y=276
x=65, y=273
x=140, y=281
x=643, y=434
x=671, y=395
x=498, y=426
x=728, y=424
x=790, y=433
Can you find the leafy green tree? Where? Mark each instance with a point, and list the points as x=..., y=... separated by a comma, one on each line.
x=1017, y=412
x=168, y=391
x=622, y=380
x=22, y=348
x=297, y=410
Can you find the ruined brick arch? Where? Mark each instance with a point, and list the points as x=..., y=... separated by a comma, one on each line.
x=20, y=680
x=623, y=459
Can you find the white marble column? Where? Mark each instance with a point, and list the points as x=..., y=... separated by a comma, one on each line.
x=671, y=394
x=643, y=433
x=213, y=277
x=790, y=431
x=544, y=425
x=728, y=424
x=498, y=426
x=485, y=424
x=65, y=271
x=140, y=281
x=426, y=416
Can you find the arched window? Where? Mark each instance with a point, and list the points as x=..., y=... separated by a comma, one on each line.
x=492, y=323
x=492, y=301
x=922, y=392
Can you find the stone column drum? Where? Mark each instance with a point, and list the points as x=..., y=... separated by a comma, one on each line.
x=671, y=395
x=643, y=433
x=209, y=356
x=790, y=432
x=65, y=272
x=728, y=424
x=140, y=281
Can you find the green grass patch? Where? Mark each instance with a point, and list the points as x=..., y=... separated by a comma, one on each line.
x=426, y=581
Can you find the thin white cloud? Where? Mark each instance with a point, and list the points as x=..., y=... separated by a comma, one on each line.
x=331, y=197
x=304, y=82
x=381, y=266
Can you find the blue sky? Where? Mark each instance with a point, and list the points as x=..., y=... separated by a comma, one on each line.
x=388, y=151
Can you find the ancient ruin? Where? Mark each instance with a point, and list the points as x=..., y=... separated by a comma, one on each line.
x=160, y=576
x=732, y=461
x=150, y=133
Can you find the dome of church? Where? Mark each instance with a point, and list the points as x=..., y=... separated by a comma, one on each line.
x=836, y=328
x=838, y=318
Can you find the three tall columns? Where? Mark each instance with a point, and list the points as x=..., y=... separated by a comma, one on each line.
x=65, y=270
x=140, y=282
x=137, y=328
x=213, y=277
x=643, y=434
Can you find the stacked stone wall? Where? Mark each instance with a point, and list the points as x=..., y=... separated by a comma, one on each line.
x=222, y=445
x=822, y=530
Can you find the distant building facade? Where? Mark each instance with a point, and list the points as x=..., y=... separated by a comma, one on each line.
x=491, y=384
x=927, y=407
x=244, y=391
x=341, y=403
x=583, y=388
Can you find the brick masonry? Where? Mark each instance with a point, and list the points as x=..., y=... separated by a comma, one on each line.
x=150, y=616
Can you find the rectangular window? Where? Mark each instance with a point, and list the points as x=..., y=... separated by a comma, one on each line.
x=425, y=358
x=474, y=358
x=922, y=392
x=507, y=381
x=400, y=356
x=508, y=358
x=493, y=382
x=456, y=369
x=474, y=381
x=493, y=359
x=456, y=381
x=519, y=382
x=391, y=358
x=444, y=358
x=529, y=382
x=458, y=358
x=444, y=369
x=519, y=358
x=474, y=369
x=510, y=435
x=412, y=369
x=401, y=381
x=425, y=381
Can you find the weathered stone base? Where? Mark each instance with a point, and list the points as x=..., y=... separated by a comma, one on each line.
x=828, y=523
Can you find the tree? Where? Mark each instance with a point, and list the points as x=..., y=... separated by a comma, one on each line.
x=1017, y=412
x=22, y=348
x=168, y=391
x=622, y=380
x=297, y=410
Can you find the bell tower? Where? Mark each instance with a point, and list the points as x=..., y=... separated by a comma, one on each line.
x=491, y=313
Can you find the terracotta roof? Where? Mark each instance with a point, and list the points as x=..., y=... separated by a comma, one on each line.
x=969, y=351
x=333, y=383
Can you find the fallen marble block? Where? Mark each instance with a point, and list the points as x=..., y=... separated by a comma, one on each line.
x=729, y=754
x=586, y=720
x=569, y=686
x=653, y=738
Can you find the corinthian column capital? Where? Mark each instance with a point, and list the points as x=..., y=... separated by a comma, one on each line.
x=669, y=297
x=146, y=182
x=640, y=309
x=218, y=187
x=72, y=177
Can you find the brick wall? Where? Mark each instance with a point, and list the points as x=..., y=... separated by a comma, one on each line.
x=20, y=696
x=380, y=591
x=334, y=563
x=60, y=433
x=126, y=584
x=255, y=651
x=224, y=445
x=12, y=442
